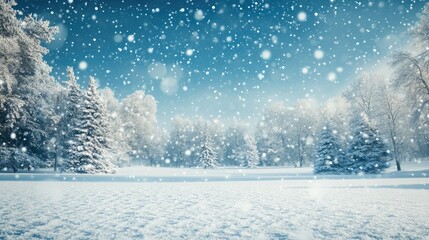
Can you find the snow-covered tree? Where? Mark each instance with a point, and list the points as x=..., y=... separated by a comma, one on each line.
x=207, y=158
x=394, y=121
x=302, y=131
x=138, y=114
x=88, y=141
x=412, y=75
x=250, y=154
x=184, y=145
x=362, y=94
x=71, y=105
x=421, y=29
x=119, y=149
x=366, y=151
x=336, y=112
x=179, y=146
x=285, y=135
x=272, y=135
x=386, y=108
x=234, y=143
x=26, y=90
x=330, y=156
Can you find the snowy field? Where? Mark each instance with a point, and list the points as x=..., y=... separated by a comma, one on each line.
x=269, y=203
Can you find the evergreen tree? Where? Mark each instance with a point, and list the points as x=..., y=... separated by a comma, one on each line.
x=71, y=107
x=70, y=123
x=96, y=116
x=330, y=157
x=251, y=156
x=366, y=151
x=208, y=154
x=88, y=141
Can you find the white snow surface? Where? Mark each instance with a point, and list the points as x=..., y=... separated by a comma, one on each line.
x=226, y=203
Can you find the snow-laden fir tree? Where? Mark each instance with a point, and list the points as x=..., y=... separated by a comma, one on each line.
x=207, y=157
x=70, y=124
x=330, y=157
x=95, y=115
x=88, y=140
x=250, y=155
x=72, y=107
x=366, y=151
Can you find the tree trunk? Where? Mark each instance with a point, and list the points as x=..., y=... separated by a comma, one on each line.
x=55, y=162
x=300, y=152
x=398, y=165
x=13, y=162
x=396, y=151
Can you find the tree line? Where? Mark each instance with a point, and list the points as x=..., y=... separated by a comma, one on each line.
x=43, y=123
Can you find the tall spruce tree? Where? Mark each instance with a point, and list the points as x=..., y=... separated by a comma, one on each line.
x=88, y=137
x=70, y=124
x=208, y=155
x=330, y=157
x=366, y=151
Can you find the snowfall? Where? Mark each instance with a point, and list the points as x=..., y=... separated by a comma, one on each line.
x=223, y=203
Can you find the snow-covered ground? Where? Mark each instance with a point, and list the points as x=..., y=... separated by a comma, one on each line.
x=268, y=203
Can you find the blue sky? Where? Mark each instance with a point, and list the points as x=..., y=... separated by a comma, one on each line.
x=223, y=58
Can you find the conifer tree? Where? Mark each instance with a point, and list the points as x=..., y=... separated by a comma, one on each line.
x=330, y=157
x=366, y=151
x=88, y=137
x=208, y=154
x=70, y=124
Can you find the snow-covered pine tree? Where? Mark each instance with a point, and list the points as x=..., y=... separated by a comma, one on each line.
x=94, y=122
x=330, y=157
x=70, y=124
x=88, y=141
x=97, y=115
x=72, y=106
x=251, y=156
x=366, y=151
x=208, y=154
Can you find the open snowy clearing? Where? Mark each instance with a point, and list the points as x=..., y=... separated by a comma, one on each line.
x=87, y=207
x=154, y=174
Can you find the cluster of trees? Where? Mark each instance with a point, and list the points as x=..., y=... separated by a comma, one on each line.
x=366, y=151
x=382, y=116
x=27, y=92
x=44, y=123
x=204, y=143
x=396, y=109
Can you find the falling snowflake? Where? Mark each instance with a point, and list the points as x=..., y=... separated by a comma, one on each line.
x=319, y=54
x=266, y=54
x=302, y=16
x=83, y=65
